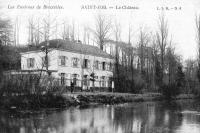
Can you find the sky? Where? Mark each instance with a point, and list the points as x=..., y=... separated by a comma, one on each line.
x=181, y=21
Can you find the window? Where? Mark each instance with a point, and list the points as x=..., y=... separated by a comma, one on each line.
x=62, y=60
x=74, y=78
x=62, y=78
x=30, y=62
x=85, y=63
x=44, y=61
x=75, y=62
x=96, y=65
x=85, y=80
x=103, y=81
x=111, y=66
x=103, y=65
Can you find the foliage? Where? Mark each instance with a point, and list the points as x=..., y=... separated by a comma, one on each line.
x=173, y=89
x=158, y=73
x=169, y=91
x=198, y=72
x=180, y=77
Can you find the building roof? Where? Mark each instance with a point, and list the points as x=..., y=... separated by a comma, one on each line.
x=120, y=43
x=73, y=47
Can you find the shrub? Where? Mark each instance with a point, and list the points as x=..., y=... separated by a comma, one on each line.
x=170, y=91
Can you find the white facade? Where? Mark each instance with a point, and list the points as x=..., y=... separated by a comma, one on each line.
x=69, y=65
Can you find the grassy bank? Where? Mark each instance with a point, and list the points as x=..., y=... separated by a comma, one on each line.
x=36, y=102
x=47, y=101
x=117, y=98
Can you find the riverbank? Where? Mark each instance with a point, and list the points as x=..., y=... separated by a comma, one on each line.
x=49, y=101
x=118, y=98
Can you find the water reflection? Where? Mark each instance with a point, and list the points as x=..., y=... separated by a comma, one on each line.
x=151, y=117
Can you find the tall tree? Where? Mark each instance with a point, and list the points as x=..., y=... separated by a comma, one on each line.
x=180, y=78
x=72, y=31
x=5, y=28
x=162, y=40
x=142, y=49
x=117, y=36
x=102, y=29
x=65, y=31
x=197, y=20
x=171, y=63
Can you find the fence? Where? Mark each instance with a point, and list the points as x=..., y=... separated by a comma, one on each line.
x=31, y=83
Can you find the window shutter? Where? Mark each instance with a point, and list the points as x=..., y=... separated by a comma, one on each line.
x=66, y=61
x=78, y=62
x=72, y=60
x=89, y=66
x=33, y=62
x=28, y=63
x=100, y=65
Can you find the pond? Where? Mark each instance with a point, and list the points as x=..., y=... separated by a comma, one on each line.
x=147, y=117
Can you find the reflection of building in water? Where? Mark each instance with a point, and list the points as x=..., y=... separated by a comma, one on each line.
x=88, y=121
x=140, y=118
x=190, y=123
x=166, y=118
x=137, y=123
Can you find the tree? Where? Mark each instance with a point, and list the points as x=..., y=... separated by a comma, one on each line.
x=117, y=35
x=72, y=31
x=197, y=20
x=180, y=78
x=171, y=63
x=102, y=29
x=4, y=40
x=143, y=42
x=162, y=40
x=190, y=74
x=16, y=32
x=158, y=73
x=86, y=35
x=31, y=30
x=65, y=32
x=5, y=28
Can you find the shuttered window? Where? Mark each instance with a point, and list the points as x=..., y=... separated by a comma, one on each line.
x=75, y=62
x=62, y=61
x=30, y=62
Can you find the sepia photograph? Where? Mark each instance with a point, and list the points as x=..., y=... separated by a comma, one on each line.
x=100, y=66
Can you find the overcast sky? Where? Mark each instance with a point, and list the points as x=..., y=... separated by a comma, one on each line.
x=181, y=22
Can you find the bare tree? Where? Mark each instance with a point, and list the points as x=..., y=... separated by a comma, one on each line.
x=162, y=38
x=117, y=31
x=72, y=31
x=16, y=32
x=102, y=29
x=129, y=34
x=142, y=48
x=37, y=33
x=5, y=29
x=65, y=30
x=171, y=63
x=117, y=35
x=86, y=35
x=31, y=30
x=190, y=73
x=197, y=20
